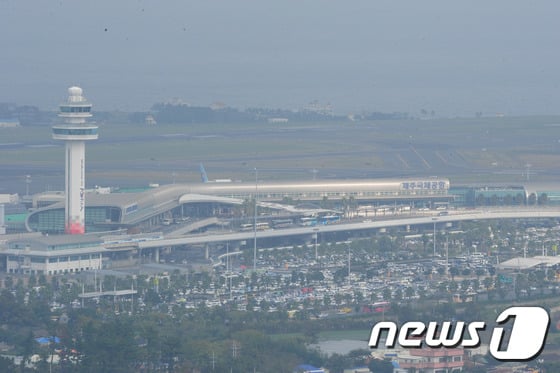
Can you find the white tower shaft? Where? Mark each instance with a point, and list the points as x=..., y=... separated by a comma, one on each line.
x=74, y=132
x=75, y=187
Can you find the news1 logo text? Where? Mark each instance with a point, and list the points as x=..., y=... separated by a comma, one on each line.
x=529, y=328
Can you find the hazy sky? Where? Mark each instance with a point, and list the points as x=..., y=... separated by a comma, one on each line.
x=454, y=57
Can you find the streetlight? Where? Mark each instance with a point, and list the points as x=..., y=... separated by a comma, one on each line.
x=435, y=221
x=27, y=182
x=255, y=222
x=228, y=273
x=447, y=255
x=315, y=236
x=348, y=264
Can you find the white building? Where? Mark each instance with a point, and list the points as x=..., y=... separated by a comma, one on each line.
x=50, y=255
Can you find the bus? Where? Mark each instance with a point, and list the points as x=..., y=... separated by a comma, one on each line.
x=246, y=227
x=260, y=226
x=282, y=223
x=329, y=219
x=308, y=221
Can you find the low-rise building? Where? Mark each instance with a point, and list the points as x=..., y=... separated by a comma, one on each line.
x=432, y=360
x=49, y=255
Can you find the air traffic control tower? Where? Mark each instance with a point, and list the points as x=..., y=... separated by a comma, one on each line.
x=75, y=131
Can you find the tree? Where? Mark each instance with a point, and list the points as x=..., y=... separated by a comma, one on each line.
x=398, y=294
x=27, y=349
x=488, y=282
x=442, y=288
x=327, y=300
x=453, y=286
x=108, y=347
x=422, y=293
x=425, y=240
x=7, y=364
x=385, y=244
x=476, y=284
x=8, y=282
x=540, y=280
x=465, y=284
x=479, y=272
x=315, y=276
x=380, y=366
x=409, y=292
x=453, y=271
x=336, y=363
x=32, y=281
x=551, y=275
x=338, y=298
x=358, y=296
x=387, y=294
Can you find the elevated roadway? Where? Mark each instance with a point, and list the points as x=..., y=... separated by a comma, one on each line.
x=390, y=221
x=193, y=227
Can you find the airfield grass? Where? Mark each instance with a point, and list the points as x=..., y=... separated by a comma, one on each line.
x=464, y=149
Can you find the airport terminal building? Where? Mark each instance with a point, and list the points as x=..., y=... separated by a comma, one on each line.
x=49, y=251
x=144, y=209
x=148, y=207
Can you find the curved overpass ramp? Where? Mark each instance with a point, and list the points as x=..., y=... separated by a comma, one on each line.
x=542, y=213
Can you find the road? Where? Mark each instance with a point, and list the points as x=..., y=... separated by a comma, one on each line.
x=454, y=216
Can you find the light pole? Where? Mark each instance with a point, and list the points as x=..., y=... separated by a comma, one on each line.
x=228, y=273
x=27, y=182
x=316, y=256
x=255, y=222
x=348, y=264
x=446, y=255
x=435, y=220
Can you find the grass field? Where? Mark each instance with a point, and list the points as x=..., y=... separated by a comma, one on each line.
x=465, y=150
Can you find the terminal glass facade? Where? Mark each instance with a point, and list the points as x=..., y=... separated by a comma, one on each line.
x=52, y=221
